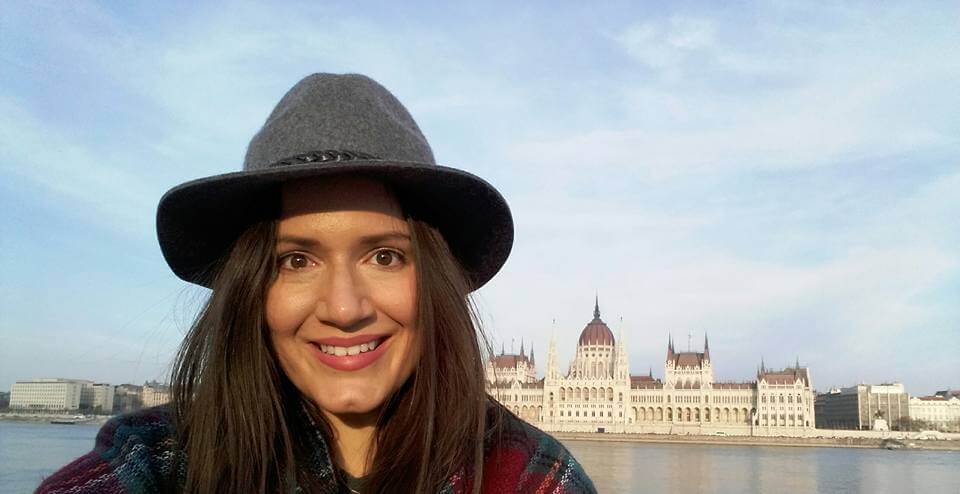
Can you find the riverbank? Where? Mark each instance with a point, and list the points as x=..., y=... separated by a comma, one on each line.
x=66, y=419
x=818, y=442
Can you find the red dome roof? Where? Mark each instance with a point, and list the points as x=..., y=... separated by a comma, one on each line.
x=596, y=333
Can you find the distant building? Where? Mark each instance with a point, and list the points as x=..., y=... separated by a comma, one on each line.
x=598, y=393
x=859, y=407
x=97, y=398
x=785, y=398
x=127, y=398
x=936, y=412
x=155, y=394
x=62, y=395
x=4, y=399
x=47, y=394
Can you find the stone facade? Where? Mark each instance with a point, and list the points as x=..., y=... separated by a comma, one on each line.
x=62, y=395
x=127, y=398
x=598, y=393
x=937, y=412
x=155, y=394
x=97, y=398
x=47, y=394
x=860, y=407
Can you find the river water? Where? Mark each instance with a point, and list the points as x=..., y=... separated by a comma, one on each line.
x=680, y=468
x=30, y=451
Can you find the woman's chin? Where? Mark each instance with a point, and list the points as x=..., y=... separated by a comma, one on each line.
x=348, y=405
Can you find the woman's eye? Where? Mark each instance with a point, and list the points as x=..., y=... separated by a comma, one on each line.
x=388, y=258
x=295, y=261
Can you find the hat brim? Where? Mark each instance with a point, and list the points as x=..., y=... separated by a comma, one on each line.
x=198, y=221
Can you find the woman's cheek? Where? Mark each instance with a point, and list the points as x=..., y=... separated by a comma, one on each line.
x=287, y=309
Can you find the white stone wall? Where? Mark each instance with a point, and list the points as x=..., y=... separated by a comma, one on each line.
x=46, y=394
x=944, y=414
x=785, y=405
x=155, y=396
x=103, y=397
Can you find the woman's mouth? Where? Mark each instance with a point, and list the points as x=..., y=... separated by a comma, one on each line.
x=341, y=351
x=350, y=354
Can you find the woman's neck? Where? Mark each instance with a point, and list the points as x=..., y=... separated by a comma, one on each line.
x=354, y=435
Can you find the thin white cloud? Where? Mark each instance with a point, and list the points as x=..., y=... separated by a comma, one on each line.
x=730, y=106
x=89, y=181
x=666, y=45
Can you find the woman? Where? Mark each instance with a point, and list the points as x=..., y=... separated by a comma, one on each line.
x=338, y=351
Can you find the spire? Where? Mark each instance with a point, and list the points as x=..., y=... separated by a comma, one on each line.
x=532, y=360
x=501, y=349
x=651, y=372
x=669, y=347
x=763, y=368
x=521, y=347
x=706, y=346
x=596, y=306
x=797, y=365
x=552, y=370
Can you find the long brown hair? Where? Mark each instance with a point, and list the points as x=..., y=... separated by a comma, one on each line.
x=238, y=418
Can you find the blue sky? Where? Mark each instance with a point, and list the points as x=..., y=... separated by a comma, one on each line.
x=782, y=175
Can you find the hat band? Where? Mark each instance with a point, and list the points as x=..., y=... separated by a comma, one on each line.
x=324, y=156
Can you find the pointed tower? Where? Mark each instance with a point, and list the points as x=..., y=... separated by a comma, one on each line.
x=668, y=377
x=552, y=372
x=621, y=366
x=706, y=368
x=521, y=348
x=596, y=306
x=533, y=359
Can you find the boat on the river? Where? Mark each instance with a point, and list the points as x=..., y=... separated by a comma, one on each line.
x=893, y=444
x=68, y=420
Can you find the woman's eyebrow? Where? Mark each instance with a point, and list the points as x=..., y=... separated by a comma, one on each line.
x=298, y=241
x=383, y=237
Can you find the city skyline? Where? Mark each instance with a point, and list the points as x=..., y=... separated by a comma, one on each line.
x=781, y=176
x=529, y=350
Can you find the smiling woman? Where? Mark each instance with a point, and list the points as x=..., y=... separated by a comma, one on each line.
x=342, y=308
x=338, y=351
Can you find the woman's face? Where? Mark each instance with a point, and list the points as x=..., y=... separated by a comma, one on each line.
x=342, y=309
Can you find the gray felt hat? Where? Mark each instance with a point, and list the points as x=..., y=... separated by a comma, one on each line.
x=330, y=125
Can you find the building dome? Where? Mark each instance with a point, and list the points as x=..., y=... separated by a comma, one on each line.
x=596, y=332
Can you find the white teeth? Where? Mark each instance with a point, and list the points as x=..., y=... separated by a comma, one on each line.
x=341, y=351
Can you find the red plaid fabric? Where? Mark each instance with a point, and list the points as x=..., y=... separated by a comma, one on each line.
x=135, y=453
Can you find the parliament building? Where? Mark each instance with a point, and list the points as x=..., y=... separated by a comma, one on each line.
x=597, y=393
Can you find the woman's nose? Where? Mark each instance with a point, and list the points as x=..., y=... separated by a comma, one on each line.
x=346, y=304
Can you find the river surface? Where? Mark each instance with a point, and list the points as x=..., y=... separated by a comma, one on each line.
x=679, y=468
x=31, y=451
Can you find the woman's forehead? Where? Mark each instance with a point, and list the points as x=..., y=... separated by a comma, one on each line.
x=332, y=194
